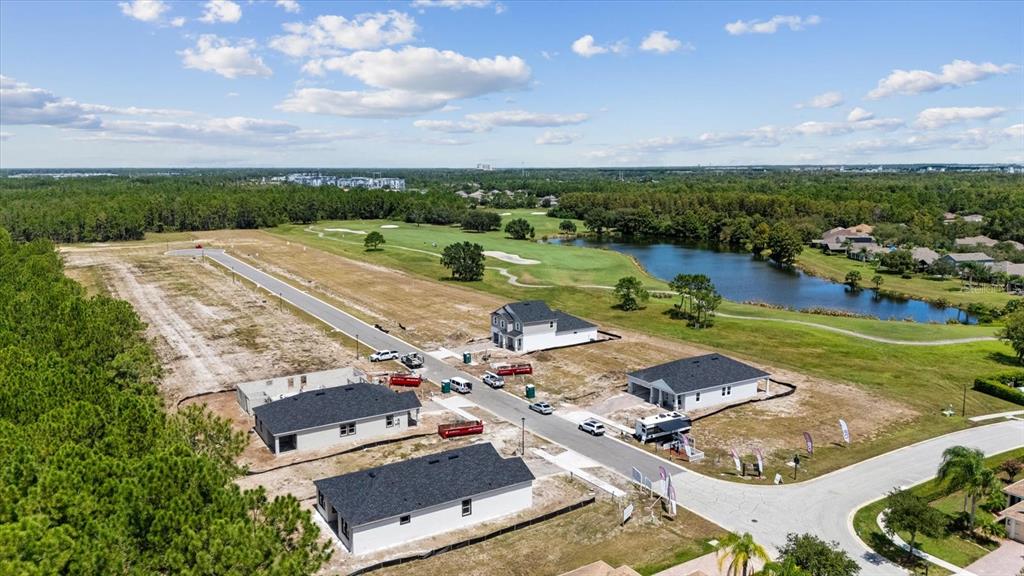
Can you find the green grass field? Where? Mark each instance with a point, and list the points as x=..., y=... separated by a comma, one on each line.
x=952, y=547
x=835, y=267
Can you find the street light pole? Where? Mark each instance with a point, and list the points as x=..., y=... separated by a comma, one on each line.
x=357, y=346
x=522, y=443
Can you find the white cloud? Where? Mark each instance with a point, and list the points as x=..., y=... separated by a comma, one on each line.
x=290, y=6
x=822, y=128
x=586, y=47
x=1015, y=131
x=771, y=26
x=524, y=118
x=5, y=136
x=221, y=11
x=551, y=137
x=144, y=10
x=331, y=35
x=376, y=104
x=214, y=54
x=23, y=104
x=859, y=114
x=933, y=118
x=826, y=100
x=659, y=41
x=956, y=74
x=451, y=4
x=452, y=126
x=178, y=22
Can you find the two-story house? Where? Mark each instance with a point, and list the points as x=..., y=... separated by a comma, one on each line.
x=530, y=325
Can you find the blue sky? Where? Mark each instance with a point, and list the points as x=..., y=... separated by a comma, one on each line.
x=453, y=84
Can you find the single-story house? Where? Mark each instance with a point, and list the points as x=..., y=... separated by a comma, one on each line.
x=1013, y=515
x=866, y=252
x=412, y=499
x=924, y=257
x=699, y=382
x=960, y=258
x=259, y=392
x=1007, y=268
x=837, y=239
x=976, y=241
x=530, y=325
x=975, y=218
x=320, y=418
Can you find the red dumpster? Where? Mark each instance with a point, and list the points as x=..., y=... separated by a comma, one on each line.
x=410, y=380
x=460, y=429
x=513, y=369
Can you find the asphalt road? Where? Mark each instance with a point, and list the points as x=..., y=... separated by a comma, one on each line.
x=823, y=506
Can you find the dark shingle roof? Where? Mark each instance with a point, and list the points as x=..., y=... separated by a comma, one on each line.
x=568, y=323
x=698, y=373
x=529, y=311
x=410, y=485
x=332, y=405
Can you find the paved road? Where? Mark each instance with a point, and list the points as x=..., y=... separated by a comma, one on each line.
x=823, y=506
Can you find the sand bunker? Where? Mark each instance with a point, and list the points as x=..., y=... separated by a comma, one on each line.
x=510, y=258
x=389, y=226
x=539, y=213
x=505, y=214
x=350, y=231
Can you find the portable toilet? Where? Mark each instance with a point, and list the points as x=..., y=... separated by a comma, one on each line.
x=446, y=387
x=531, y=392
x=467, y=358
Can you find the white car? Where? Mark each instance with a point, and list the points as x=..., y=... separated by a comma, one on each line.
x=493, y=380
x=592, y=426
x=382, y=355
x=460, y=385
x=542, y=408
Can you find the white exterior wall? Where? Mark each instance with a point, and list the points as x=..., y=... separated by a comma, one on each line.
x=1014, y=530
x=259, y=392
x=709, y=397
x=439, y=519
x=366, y=429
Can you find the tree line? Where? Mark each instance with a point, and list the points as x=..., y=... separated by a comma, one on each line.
x=96, y=477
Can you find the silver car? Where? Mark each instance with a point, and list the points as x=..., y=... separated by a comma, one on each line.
x=542, y=408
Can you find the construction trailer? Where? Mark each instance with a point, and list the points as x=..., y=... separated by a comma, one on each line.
x=661, y=427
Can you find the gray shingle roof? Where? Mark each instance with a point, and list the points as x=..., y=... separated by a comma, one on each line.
x=700, y=372
x=969, y=257
x=569, y=323
x=331, y=406
x=409, y=485
x=529, y=311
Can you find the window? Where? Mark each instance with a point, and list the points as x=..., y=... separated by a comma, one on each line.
x=467, y=506
x=405, y=519
x=389, y=421
x=519, y=326
x=320, y=499
x=726, y=390
x=347, y=429
x=697, y=397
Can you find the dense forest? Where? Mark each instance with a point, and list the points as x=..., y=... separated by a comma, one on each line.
x=95, y=478
x=711, y=206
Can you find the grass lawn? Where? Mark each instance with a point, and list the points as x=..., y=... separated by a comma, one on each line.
x=834, y=267
x=953, y=547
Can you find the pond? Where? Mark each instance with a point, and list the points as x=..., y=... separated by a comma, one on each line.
x=741, y=278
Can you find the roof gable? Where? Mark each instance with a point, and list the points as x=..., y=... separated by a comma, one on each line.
x=699, y=373
x=331, y=406
x=530, y=311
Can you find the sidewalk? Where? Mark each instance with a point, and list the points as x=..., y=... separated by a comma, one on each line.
x=923, y=555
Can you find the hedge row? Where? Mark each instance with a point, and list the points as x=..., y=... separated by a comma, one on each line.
x=1002, y=386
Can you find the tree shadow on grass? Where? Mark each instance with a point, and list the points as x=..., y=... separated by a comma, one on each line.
x=1005, y=359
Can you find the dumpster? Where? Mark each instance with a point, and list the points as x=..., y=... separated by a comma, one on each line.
x=446, y=387
x=531, y=392
x=467, y=358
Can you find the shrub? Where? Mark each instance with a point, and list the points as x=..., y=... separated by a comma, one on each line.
x=1000, y=386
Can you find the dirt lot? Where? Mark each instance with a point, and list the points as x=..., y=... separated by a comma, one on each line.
x=589, y=377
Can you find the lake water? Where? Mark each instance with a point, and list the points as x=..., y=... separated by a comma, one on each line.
x=741, y=278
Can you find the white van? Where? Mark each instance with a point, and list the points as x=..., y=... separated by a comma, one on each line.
x=460, y=385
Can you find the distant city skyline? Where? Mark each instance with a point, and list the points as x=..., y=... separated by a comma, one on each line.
x=461, y=83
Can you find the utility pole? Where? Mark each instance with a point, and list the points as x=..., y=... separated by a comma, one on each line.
x=522, y=443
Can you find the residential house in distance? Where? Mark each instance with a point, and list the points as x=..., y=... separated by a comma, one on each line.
x=1008, y=268
x=842, y=239
x=530, y=325
x=697, y=383
x=343, y=414
x=1013, y=515
x=412, y=499
x=976, y=241
x=958, y=259
x=866, y=251
x=924, y=257
x=1016, y=245
x=259, y=392
x=974, y=218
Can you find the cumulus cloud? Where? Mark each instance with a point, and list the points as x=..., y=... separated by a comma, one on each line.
x=215, y=54
x=290, y=6
x=553, y=138
x=586, y=47
x=826, y=100
x=451, y=126
x=975, y=139
x=451, y=4
x=771, y=26
x=956, y=74
x=524, y=118
x=351, y=103
x=932, y=118
x=330, y=35
x=1015, y=131
x=660, y=42
x=859, y=114
x=221, y=11
x=144, y=10
x=822, y=128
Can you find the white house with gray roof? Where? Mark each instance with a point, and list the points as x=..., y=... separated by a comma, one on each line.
x=259, y=392
x=697, y=383
x=530, y=325
x=343, y=414
x=412, y=499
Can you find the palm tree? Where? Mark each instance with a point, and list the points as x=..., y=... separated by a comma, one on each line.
x=964, y=469
x=740, y=551
x=785, y=568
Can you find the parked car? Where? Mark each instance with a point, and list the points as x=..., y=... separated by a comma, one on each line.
x=542, y=407
x=592, y=426
x=382, y=355
x=460, y=385
x=412, y=360
x=493, y=380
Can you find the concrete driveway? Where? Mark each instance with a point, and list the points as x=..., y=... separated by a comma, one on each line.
x=823, y=506
x=1007, y=560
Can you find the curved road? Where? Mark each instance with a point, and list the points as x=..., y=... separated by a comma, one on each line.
x=823, y=506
